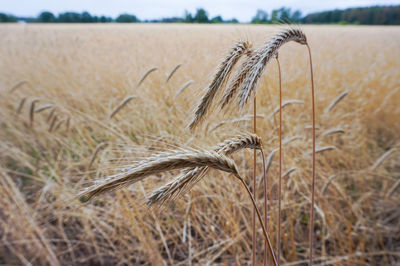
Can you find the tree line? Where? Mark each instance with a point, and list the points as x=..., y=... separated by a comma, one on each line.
x=375, y=15
x=201, y=16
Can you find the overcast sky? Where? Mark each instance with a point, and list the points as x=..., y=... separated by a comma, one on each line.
x=243, y=10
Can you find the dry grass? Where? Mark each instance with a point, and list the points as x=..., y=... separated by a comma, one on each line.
x=85, y=71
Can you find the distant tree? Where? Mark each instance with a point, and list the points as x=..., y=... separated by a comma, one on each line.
x=69, y=17
x=171, y=20
x=86, y=18
x=375, y=15
x=126, y=18
x=3, y=17
x=274, y=15
x=187, y=17
x=296, y=16
x=260, y=17
x=232, y=21
x=201, y=16
x=217, y=19
x=46, y=17
x=104, y=19
x=284, y=14
x=7, y=18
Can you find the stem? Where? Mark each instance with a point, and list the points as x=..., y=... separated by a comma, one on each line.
x=254, y=236
x=260, y=220
x=280, y=162
x=313, y=161
x=265, y=207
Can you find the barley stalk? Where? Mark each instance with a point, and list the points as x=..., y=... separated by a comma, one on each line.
x=280, y=160
x=266, y=235
x=265, y=182
x=254, y=235
x=313, y=157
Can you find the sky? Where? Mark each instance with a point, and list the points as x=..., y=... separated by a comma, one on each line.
x=243, y=10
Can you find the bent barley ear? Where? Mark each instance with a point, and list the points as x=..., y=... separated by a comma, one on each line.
x=191, y=176
x=158, y=164
x=255, y=65
x=172, y=72
x=121, y=105
x=21, y=105
x=145, y=75
x=222, y=74
x=250, y=71
x=32, y=111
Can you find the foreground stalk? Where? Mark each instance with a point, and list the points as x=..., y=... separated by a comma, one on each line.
x=254, y=236
x=265, y=206
x=313, y=161
x=280, y=162
x=266, y=235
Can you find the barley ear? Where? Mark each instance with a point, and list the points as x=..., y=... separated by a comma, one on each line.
x=159, y=164
x=260, y=58
x=18, y=85
x=32, y=111
x=191, y=176
x=222, y=74
x=21, y=105
x=146, y=74
x=121, y=105
x=172, y=72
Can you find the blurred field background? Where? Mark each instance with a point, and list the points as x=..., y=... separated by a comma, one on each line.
x=85, y=71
